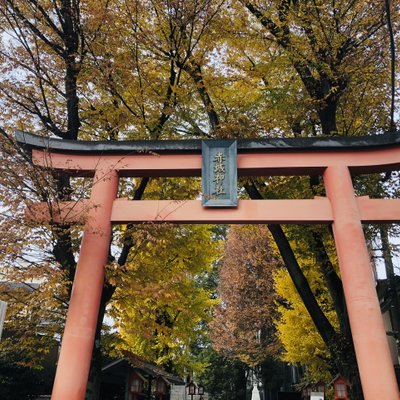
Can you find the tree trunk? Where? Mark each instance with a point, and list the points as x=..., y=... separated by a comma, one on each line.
x=194, y=70
x=327, y=115
x=322, y=324
x=331, y=278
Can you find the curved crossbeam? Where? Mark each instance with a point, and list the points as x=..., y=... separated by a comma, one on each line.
x=295, y=156
x=334, y=143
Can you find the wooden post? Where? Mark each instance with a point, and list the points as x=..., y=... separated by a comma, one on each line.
x=370, y=342
x=80, y=328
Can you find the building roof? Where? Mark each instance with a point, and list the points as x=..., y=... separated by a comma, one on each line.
x=117, y=368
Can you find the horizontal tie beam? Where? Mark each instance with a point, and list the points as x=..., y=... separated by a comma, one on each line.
x=309, y=211
x=251, y=164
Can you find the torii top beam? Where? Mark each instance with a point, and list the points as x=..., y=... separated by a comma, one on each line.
x=308, y=156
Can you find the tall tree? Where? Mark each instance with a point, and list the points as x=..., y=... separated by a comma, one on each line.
x=323, y=41
x=243, y=327
x=160, y=307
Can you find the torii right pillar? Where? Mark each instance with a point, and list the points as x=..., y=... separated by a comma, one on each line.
x=368, y=332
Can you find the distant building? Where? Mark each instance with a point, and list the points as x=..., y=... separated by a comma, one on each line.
x=389, y=299
x=132, y=378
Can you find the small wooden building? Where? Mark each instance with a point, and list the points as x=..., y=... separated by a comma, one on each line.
x=341, y=388
x=310, y=388
x=132, y=378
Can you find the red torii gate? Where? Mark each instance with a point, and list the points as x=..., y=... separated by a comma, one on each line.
x=336, y=159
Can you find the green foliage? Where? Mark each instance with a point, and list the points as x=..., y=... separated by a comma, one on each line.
x=12, y=374
x=160, y=306
x=224, y=379
x=301, y=341
x=18, y=380
x=33, y=319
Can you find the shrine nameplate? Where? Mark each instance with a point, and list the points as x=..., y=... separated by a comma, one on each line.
x=219, y=173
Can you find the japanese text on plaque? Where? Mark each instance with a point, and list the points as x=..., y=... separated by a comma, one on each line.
x=219, y=174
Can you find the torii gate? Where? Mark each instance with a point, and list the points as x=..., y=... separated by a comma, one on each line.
x=336, y=159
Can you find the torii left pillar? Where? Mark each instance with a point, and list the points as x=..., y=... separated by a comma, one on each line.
x=77, y=343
